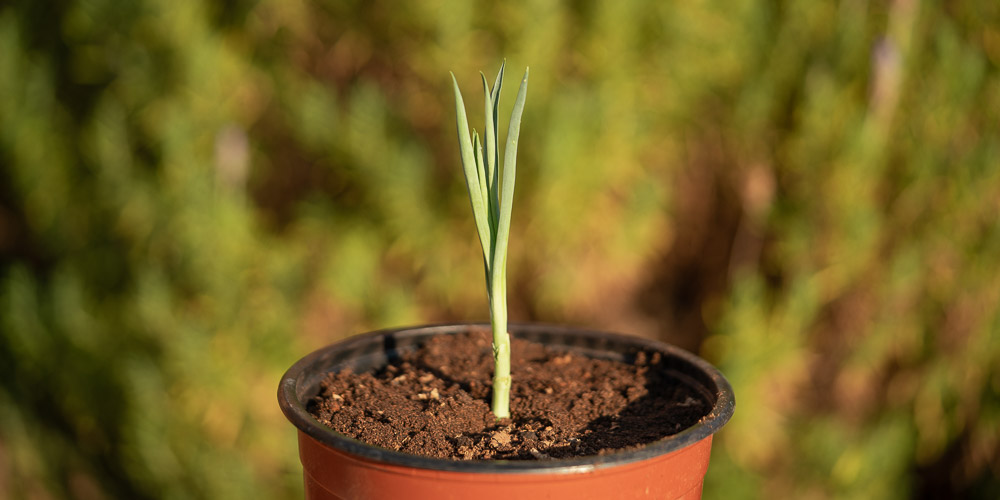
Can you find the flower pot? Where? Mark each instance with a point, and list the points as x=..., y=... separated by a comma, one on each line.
x=338, y=467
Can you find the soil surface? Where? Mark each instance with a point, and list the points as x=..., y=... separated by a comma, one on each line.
x=435, y=402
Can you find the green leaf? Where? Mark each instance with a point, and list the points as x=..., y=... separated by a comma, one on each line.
x=509, y=171
x=477, y=146
x=479, y=203
x=490, y=136
x=494, y=180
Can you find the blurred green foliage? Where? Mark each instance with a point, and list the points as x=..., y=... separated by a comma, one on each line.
x=193, y=195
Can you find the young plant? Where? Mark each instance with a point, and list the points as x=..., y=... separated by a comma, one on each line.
x=491, y=204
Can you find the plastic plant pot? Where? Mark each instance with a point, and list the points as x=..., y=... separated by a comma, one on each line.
x=338, y=467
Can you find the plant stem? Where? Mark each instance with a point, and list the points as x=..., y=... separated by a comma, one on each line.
x=501, y=370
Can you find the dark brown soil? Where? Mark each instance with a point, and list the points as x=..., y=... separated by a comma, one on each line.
x=435, y=402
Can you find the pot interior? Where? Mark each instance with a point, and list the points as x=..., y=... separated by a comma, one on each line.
x=375, y=350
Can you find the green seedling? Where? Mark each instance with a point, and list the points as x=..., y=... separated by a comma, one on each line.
x=491, y=204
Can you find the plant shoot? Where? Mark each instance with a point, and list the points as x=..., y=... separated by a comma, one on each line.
x=491, y=206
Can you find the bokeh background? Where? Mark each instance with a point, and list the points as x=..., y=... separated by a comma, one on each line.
x=195, y=194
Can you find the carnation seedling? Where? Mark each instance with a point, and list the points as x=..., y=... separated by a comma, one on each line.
x=491, y=204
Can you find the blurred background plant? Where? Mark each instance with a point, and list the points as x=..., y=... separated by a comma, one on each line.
x=193, y=195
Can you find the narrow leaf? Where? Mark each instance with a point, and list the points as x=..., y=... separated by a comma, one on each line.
x=509, y=171
x=487, y=244
x=479, y=203
x=490, y=137
x=494, y=181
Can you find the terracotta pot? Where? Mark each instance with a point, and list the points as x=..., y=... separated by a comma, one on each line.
x=338, y=467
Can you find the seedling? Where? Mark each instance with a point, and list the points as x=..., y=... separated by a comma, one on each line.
x=491, y=204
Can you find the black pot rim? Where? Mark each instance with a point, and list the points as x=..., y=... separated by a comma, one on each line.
x=295, y=410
